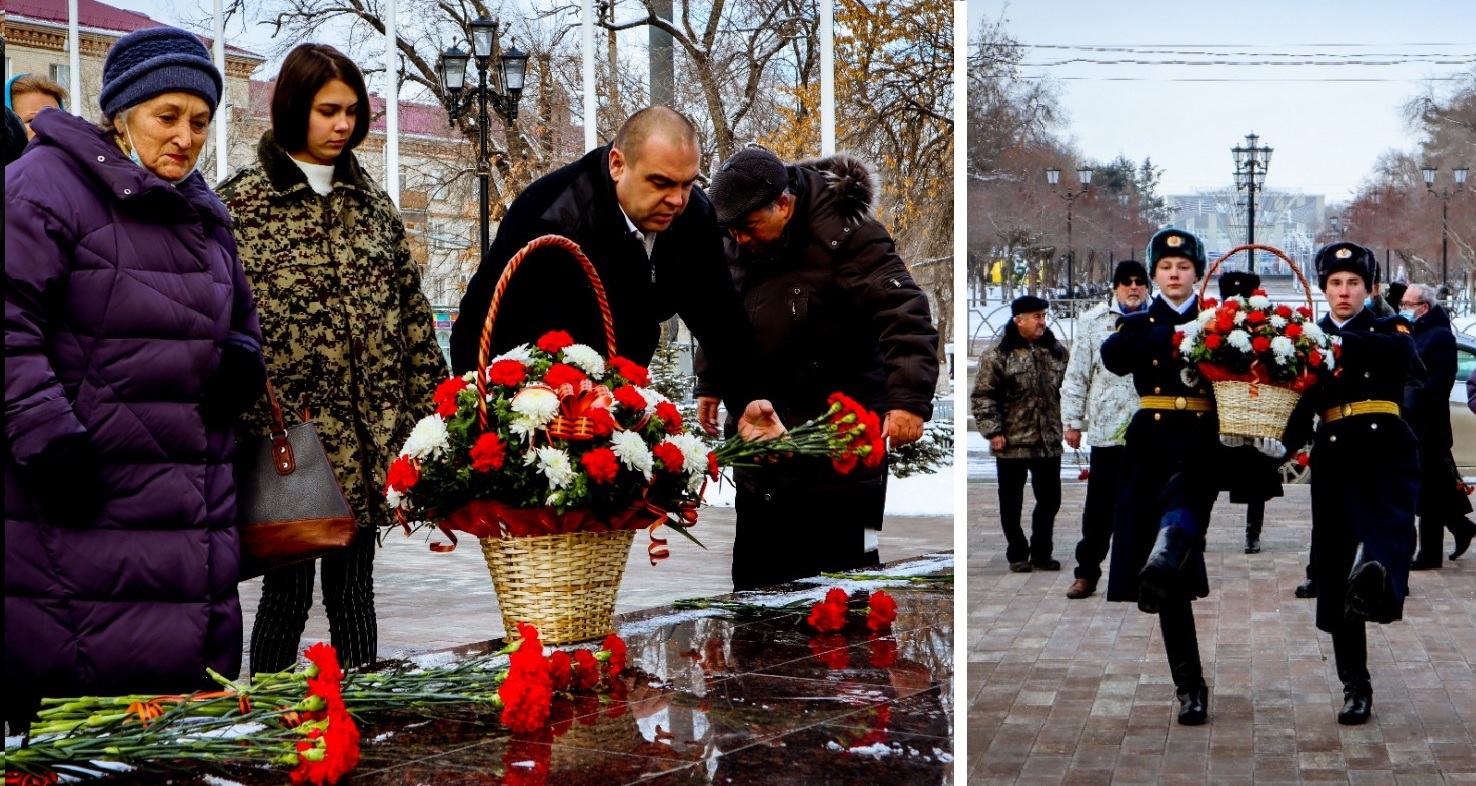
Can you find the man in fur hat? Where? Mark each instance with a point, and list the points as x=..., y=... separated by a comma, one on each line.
x=834, y=309
x=1017, y=407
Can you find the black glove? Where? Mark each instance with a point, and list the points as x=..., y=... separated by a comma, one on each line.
x=63, y=480
x=237, y=382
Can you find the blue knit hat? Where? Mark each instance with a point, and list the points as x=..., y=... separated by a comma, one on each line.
x=154, y=61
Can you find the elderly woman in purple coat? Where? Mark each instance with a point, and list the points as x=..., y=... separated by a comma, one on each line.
x=131, y=343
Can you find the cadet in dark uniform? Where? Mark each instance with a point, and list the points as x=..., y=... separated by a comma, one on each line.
x=1166, y=490
x=1365, y=471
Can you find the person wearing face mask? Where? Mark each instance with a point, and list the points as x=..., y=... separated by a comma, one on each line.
x=1017, y=407
x=1168, y=485
x=1443, y=502
x=350, y=337
x=131, y=343
x=1098, y=402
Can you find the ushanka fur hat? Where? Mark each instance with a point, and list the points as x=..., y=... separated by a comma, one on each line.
x=1345, y=257
x=1176, y=243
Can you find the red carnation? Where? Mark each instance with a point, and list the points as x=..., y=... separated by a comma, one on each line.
x=402, y=474
x=668, y=413
x=554, y=341
x=632, y=372
x=1302, y=458
x=488, y=452
x=829, y=615
x=445, y=396
x=586, y=670
x=1255, y=317
x=601, y=422
x=1293, y=331
x=712, y=465
x=1305, y=312
x=845, y=461
x=1178, y=337
x=878, y=452
x=1260, y=344
x=1213, y=341
x=563, y=374
x=616, y=647
x=1260, y=292
x=1208, y=303
x=601, y=464
x=630, y=398
x=508, y=373
x=831, y=650
x=1284, y=311
x=1314, y=359
x=528, y=690
x=1232, y=306
x=882, y=613
x=669, y=455
x=560, y=670
x=1224, y=323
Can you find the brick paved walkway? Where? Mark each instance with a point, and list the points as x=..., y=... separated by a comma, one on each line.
x=1078, y=691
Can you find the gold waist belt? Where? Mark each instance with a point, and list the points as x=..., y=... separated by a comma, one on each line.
x=1360, y=408
x=1180, y=403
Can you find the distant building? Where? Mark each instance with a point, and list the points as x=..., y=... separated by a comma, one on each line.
x=1284, y=220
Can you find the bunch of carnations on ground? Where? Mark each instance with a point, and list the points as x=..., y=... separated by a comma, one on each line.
x=304, y=719
x=585, y=444
x=830, y=615
x=1253, y=340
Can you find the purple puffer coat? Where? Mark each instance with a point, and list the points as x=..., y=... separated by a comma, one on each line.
x=120, y=290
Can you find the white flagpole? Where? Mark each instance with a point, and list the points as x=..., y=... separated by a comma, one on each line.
x=74, y=58
x=391, y=107
x=221, y=149
x=827, y=77
x=591, y=133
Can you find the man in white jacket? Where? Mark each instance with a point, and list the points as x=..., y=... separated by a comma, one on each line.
x=1097, y=401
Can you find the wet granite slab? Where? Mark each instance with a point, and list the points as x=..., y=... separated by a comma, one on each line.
x=709, y=697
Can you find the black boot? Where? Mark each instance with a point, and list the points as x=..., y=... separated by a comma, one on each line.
x=1252, y=539
x=1255, y=515
x=1162, y=569
x=1365, y=589
x=1357, y=703
x=1194, y=705
x=1463, y=531
x=1307, y=589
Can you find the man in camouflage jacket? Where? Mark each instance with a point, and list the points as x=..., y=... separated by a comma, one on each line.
x=348, y=334
x=1017, y=407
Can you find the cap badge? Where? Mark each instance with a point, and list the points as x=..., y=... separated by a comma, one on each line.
x=1343, y=253
x=1173, y=241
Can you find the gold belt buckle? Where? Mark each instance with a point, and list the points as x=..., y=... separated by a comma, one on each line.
x=1181, y=403
x=1347, y=410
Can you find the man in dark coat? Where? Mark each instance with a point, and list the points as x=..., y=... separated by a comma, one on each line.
x=1017, y=407
x=1365, y=470
x=835, y=310
x=634, y=210
x=1167, y=486
x=1443, y=503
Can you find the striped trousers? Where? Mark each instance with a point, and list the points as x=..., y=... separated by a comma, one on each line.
x=348, y=599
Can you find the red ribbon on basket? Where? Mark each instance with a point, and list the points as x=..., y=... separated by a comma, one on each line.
x=486, y=518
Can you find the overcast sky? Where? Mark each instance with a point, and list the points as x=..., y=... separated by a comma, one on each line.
x=1327, y=123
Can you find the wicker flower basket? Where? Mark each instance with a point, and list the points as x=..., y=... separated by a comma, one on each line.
x=1253, y=409
x=565, y=585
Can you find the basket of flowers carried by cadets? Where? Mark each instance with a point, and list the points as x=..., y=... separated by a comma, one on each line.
x=1259, y=356
x=553, y=455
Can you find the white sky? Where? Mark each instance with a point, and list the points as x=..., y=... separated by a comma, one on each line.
x=1326, y=134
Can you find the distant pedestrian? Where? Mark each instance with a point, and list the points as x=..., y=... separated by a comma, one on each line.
x=28, y=94
x=1100, y=403
x=1017, y=407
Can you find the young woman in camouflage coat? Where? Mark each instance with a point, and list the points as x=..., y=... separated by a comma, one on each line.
x=349, y=336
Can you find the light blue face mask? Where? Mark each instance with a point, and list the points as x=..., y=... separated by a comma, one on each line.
x=1407, y=313
x=133, y=156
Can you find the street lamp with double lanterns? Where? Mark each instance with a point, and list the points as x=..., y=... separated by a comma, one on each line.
x=1251, y=162
x=512, y=66
x=1444, y=194
x=1083, y=176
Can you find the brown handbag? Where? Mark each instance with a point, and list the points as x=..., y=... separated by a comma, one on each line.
x=289, y=504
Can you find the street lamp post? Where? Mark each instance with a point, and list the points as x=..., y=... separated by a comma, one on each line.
x=1084, y=176
x=511, y=67
x=1444, y=194
x=1251, y=162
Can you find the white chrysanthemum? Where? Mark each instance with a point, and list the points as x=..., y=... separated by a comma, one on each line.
x=1314, y=333
x=694, y=452
x=585, y=359
x=1283, y=349
x=1187, y=345
x=470, y=376
x=555, y=465
x=428, y=438
x=632, y=451
x=521, y=353
x=523, y=428
x=1206, y=316
x=536, y=405
x=1278, y=321
x=1239, y=339
x=394, y=498
x=1240, y=317
x=1329, y=361
x=652, y=397
x=1259, y=301
x=695, y=482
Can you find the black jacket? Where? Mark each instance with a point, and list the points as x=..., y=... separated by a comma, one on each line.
x=1428, y=401
x=685, y=275
x=833, y=305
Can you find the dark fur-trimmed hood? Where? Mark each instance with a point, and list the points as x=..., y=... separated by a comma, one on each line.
x=851, y=181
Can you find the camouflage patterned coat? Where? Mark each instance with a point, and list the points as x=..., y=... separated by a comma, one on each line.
x=348, y=334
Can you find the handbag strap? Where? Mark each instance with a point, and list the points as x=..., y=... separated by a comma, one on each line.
x=283, y=459
x=277, y=423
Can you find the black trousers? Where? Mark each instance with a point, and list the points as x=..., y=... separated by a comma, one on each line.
x=1350, y=652
x=1096, y=517
x=1045, y=482
x=786, y=531
x=1180, y=641
x=348, y=599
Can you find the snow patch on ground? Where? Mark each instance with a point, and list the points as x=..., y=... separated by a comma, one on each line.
x=876, y=750
x=919, y=495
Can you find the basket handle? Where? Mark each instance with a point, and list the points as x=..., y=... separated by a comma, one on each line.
x=1306, y=288
x=485, y=347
